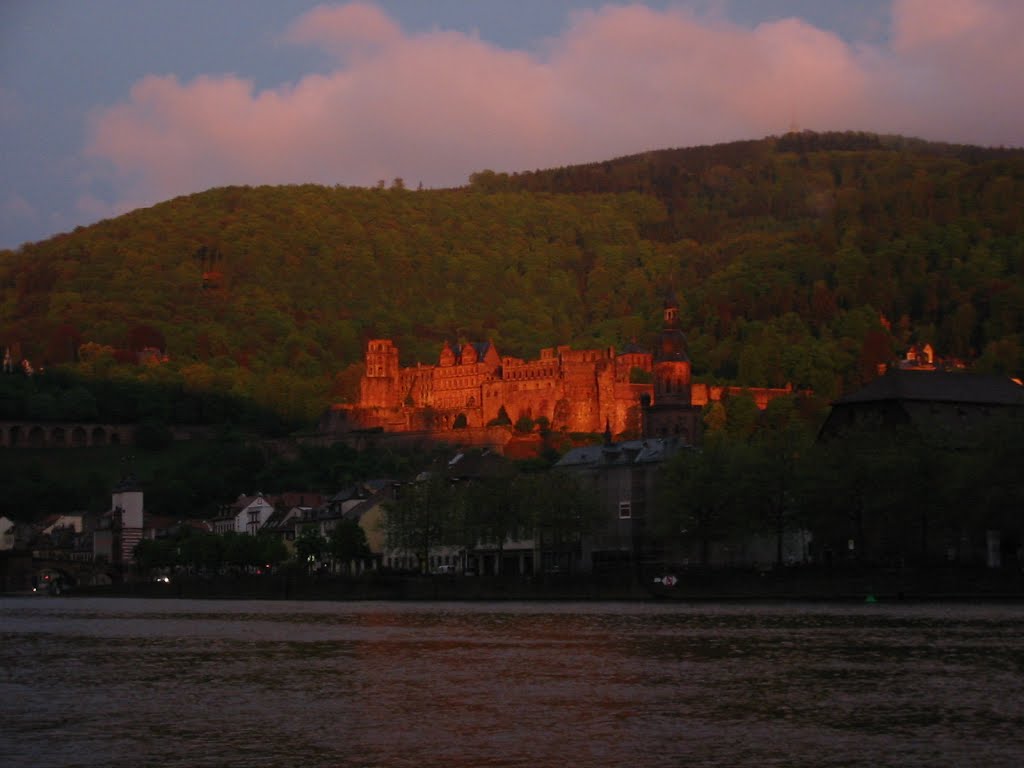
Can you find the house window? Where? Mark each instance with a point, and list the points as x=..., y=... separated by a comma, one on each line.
x=625, y=510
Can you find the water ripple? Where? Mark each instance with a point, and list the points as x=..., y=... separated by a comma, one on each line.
x=90, y=682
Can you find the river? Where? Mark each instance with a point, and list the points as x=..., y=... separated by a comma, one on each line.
x=124, y=682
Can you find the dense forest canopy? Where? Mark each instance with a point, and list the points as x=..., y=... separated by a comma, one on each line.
x=802, y=259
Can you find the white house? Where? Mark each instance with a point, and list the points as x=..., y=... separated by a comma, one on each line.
x=247, y=514
x=62, y=521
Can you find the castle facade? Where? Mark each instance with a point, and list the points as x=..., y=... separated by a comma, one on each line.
x=473, y=386
x=632, y=393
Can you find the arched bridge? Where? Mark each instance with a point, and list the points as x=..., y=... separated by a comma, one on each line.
x=65, y=574
x=20, y=572
x=41, y=434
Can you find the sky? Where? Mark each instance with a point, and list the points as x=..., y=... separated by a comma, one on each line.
x=111, y=105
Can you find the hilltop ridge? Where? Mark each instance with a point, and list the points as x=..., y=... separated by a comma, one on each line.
x=803, y=259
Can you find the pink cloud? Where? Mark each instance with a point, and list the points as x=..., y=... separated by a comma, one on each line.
x=955, y=69
x=654, y=79
x=436, y=106
x=342, y=28
x=922, y=23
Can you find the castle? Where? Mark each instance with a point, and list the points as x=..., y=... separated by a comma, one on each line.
x=630, y=393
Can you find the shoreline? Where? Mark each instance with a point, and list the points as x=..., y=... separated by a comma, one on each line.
x=868, y=585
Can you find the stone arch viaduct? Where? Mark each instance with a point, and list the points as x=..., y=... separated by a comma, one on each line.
x=38, y=434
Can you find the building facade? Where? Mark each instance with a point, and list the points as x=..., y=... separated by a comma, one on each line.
x=632, y=393
x=472, y=386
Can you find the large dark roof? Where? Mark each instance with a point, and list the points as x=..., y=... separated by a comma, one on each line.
x=939, y=386
x=650, y=451
x=479, y=464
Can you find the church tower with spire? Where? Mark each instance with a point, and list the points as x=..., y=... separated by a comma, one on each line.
x=670, y=411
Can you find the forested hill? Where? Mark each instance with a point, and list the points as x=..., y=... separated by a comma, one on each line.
x=802, y=259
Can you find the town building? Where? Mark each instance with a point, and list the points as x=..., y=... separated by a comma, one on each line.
x=949, y=412
x=246, y=514
x=623, y=476
x=954, y=403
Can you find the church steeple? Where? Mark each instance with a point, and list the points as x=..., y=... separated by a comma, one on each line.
x=671, y=313
x=672, y=342
x=672, y=412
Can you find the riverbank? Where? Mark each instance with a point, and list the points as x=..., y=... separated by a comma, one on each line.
x=877, y=584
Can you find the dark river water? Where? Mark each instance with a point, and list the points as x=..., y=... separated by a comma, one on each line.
x=120, y=682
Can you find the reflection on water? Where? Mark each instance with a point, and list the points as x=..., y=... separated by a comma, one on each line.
x=93, y=682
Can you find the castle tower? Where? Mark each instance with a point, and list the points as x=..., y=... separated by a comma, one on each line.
x=126, y=503
x=671, y=412
x=379, y=388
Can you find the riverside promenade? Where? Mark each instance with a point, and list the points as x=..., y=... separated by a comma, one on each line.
x=811, y=584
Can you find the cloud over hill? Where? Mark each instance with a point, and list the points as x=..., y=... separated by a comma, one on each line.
x=434, y=106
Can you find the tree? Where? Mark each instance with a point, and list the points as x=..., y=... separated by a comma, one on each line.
x=741, y=416
x=201, y=552
x=78, y=404
x=524, y=425
x=700, y=493
x=151, y=554
x=270, y=550
x=714, y=417
x=875, y=353
x=347, y=543
x=64, y=344
x=993, y=481
x=772, y=476
x=421, y=517
x=560, y=507
x=851, y=490
x=310, y=545
x=145, y=337
x=493, y=510
x=501, y=420
x=153, y=436
x=42, y=406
